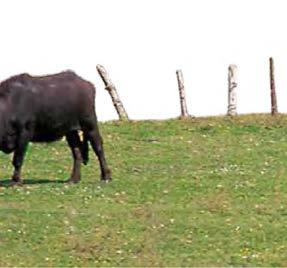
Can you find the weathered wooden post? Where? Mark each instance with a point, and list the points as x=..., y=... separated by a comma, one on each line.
x=184, y=112
x=232, y=85
x=274, y=108
x=110, y=87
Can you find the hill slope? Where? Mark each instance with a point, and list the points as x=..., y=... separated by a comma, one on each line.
x=201, y=192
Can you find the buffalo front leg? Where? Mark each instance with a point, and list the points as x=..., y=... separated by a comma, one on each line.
x=17, y=162
x=75, y=144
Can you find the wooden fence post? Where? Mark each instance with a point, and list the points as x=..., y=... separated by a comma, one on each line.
x=232, y=85
x=274, y=108
x=184, y=112
x=110, y=87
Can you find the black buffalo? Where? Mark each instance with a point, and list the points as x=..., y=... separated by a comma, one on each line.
x=45, y=109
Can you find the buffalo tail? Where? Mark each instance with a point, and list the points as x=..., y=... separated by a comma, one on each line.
x=85, y=150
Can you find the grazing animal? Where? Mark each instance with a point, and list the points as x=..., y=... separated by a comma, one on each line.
x=45, y=109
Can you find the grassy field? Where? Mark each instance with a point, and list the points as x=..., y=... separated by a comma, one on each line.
x=200, y=192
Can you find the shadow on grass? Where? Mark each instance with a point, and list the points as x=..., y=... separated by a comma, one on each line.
x=7, y=182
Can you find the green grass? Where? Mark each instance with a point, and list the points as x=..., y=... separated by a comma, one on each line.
x=199, y=192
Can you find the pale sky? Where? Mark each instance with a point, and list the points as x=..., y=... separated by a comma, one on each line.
x=143, y=42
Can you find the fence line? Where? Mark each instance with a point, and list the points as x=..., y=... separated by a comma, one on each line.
x=232, y=91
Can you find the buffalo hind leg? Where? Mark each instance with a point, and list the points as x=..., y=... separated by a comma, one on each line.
x=97, y=145
x=75, y=144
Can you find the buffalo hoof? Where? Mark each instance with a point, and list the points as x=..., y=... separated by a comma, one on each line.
x=106, y=180
x=72, y=181
x=15, y=183
x=107, y=177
